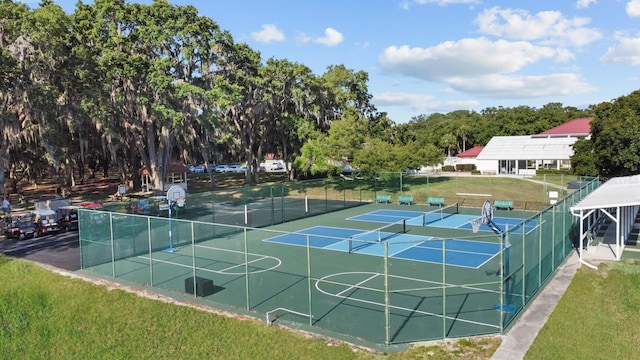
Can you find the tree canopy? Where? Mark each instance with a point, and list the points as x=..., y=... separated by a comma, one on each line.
x=614, y=147
x=118, y=85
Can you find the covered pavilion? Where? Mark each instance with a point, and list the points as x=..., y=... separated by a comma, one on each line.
x=617, y=200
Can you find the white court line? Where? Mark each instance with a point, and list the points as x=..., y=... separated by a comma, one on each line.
x=357, y=286
x=414, y=311
x=259, y=257
x=224, y=271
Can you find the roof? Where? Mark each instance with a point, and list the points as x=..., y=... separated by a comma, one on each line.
x=528, y=148
x=471, y=153
x=575, y=127
x=620, y=191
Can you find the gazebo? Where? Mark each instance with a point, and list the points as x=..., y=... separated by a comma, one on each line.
x=176, y=174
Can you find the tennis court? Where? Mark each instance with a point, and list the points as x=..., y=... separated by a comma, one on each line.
x=446, y=217
x=373, y=274
x=464, y=253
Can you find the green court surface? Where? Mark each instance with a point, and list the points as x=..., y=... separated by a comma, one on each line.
x=432, y=282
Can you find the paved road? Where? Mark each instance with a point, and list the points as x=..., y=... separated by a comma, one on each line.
x=59, y=250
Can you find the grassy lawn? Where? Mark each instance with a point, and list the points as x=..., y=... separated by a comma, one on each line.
x=468, y=191
x=44, y=315
x=597, y=318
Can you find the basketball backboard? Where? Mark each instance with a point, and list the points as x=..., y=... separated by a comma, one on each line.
x=176, y=192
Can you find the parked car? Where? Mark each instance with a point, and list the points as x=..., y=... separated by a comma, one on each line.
x=212, y=167
x=20, y=228
x=196, y=168
x=237, y=168
x=45, y=221
x=222, y=168
x=68, y=217
x=276, y=166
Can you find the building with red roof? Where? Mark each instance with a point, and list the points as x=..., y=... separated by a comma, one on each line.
x=523, y=155
x=471, y=153
x=576, y=127
x=468, y=156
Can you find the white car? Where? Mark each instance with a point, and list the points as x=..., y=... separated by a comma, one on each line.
x=276, y=166
x=196, y=168
x=236, y=169
x=222, y=168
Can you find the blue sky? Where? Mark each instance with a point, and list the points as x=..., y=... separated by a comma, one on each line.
x=427, y=56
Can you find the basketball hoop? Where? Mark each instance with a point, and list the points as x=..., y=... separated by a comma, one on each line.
x=475, y=225
x=180, y=202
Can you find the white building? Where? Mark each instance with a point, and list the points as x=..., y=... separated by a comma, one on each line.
x=469, y=156
x=523, y=155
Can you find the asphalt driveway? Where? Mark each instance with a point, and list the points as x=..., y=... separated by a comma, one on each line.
x=60, y=250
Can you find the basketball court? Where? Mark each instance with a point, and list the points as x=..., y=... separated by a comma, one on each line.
x=374, y=274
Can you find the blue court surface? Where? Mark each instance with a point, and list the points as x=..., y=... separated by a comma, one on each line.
x=463, y=253
x=451, y=221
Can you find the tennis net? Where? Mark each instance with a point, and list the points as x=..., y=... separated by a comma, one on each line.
x=441, y=213
x=367, y=238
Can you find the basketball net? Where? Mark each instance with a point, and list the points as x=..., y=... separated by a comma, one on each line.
x=475, y=225
x=180, y=202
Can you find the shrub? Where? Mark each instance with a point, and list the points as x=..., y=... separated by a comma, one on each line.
x=466, y=167
x=553, y=172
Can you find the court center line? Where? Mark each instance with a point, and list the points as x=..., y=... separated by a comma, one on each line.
x=357, y=285
x=244, y=264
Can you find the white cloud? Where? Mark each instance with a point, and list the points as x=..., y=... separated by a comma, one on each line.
x=517, y=87
x=485, y=68
x=401, y=98
x=633, y=8
x=421, y=102
x=547, y=27
x=303, y=38
x=626, y=50
x=465, y=58
x=269, y=33
x=583, y=4
x=331, y=37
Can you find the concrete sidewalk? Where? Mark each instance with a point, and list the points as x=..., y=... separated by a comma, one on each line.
x=517, y=341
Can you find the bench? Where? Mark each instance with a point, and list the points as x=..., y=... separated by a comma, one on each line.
x=433, y=201
x=405, y=200
x=383, y=199
x=503, y=204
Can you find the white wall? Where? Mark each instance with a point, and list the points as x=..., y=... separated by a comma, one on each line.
x=487, y=166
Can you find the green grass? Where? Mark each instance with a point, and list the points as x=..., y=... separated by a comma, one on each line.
x=468, y=191
x=44, y=315
x=597, y=318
